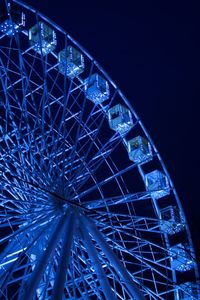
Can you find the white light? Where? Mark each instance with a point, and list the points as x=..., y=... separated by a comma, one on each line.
x=16, y=252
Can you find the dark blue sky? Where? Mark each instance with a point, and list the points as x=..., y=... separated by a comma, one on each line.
x=151, y=49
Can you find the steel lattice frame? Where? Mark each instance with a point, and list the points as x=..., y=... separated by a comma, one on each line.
x=76, y=219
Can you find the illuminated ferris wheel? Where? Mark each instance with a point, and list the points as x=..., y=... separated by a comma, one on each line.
x=88, y=210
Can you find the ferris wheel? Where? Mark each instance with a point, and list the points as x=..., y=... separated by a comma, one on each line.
x=88, y=210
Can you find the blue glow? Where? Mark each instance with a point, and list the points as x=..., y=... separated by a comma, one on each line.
x=181, y=258
x=157, y=183
x=42, y=38
x=188, y=291
x=96, y=88
x=139, y=150
x=71, y=62
x=120, y=119
x=171, y=222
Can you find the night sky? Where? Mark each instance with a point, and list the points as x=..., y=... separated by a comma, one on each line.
x=151, y=50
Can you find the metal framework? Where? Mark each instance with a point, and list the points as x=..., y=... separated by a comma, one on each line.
x=88, y=210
